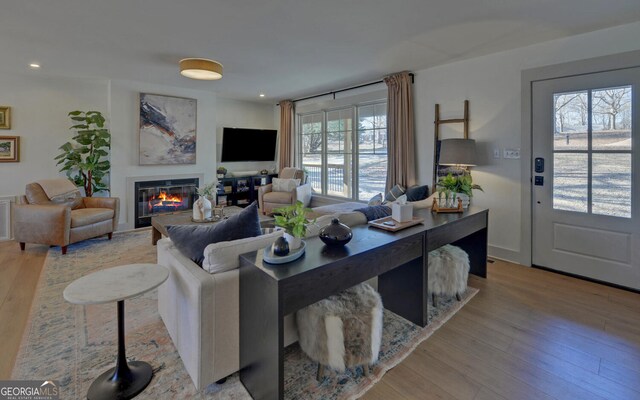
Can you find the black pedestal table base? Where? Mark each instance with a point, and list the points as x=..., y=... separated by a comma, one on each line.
x=127, y=379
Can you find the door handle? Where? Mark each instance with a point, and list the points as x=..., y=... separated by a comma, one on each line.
x=539, y=180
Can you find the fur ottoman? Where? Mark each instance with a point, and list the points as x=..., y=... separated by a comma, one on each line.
x=344, y=330
x=448, y=271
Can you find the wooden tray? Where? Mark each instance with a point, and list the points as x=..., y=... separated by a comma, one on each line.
x=437, y=209
x=380, y=223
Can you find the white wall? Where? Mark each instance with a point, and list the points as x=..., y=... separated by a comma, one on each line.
x=40, y=104
x=39, y=107
x=124, y=120
x=492, y=84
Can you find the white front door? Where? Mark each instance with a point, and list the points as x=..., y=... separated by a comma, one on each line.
x=586, y=193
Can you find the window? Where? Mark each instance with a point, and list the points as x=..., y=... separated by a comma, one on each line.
x=341, y=158
x=592, y=151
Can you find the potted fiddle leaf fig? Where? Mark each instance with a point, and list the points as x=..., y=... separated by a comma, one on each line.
x=85, y=158
x=294, y=222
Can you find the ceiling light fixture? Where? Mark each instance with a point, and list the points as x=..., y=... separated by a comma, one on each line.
x=201, y=68
x=34, y=66
x=261, y=95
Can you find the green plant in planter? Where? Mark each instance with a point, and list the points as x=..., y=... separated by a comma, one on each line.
x=85, y=160
x=293, y=220
x=221, y=171
x=458, y=184
x=207, y=190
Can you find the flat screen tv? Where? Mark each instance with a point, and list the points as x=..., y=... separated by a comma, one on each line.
x=241, y=144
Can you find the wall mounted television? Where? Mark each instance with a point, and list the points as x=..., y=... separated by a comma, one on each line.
x=241, y=144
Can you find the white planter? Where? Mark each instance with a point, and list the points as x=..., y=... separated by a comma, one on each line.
x=294, y=242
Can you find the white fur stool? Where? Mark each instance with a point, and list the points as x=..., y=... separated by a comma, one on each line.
x=448, y=271
x=344, y=330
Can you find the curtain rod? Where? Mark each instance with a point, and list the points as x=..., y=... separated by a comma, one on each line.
x=333, y=92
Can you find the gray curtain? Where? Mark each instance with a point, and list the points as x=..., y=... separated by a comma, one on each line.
x=400, y=135
x=286, y=134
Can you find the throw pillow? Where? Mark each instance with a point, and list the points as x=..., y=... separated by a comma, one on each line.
x=375, y=200
x=284, y=185
x=303, y=194
x=394, y=193
x=375, y=212
x=191, y=240
x=415, y=193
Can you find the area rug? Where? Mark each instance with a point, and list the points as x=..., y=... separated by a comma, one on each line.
x=74, y=344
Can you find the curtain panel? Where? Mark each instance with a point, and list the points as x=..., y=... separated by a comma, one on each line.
x=286, y=134
x=400, y=131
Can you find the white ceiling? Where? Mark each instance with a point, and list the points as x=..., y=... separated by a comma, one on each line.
x=284, y=48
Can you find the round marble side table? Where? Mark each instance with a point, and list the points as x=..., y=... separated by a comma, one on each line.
x=125, y=380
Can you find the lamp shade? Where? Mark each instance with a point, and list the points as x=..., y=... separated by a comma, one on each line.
x=458, y=152
x=201, y=68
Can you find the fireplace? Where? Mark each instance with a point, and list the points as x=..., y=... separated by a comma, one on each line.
x=163, y=197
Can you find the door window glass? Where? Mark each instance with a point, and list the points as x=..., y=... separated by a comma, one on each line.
x=592, y=151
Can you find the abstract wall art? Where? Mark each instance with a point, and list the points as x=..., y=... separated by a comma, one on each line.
x=167, y=130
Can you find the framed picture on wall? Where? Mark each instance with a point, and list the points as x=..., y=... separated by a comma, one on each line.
x=9, y=148
x=167, y=130
x=5, y=117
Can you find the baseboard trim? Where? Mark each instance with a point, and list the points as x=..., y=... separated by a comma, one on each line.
x=585, y=278
x=503, y=254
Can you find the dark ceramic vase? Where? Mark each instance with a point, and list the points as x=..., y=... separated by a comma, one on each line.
x=336, y=233
x=281, y=247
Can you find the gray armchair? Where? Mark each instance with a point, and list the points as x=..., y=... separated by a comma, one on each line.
x=60, y=222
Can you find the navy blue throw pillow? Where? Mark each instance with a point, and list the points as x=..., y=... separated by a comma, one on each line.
x=416, y=193
x=375, y=212
x=191, y=240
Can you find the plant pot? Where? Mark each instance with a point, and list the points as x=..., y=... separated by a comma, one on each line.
x=294, y=242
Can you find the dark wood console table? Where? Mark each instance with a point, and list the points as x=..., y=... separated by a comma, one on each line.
x=269, y=292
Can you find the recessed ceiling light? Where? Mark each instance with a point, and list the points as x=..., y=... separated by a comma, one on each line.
x=261, y=95
x=34, y=66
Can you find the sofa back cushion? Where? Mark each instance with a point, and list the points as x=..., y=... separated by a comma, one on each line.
x=224, y=256
x=192, y=240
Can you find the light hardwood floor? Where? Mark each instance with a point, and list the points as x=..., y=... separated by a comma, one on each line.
x=528, y=334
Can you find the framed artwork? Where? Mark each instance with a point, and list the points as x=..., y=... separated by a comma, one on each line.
x=167, y=130
x=5, y=117
x=9, y=148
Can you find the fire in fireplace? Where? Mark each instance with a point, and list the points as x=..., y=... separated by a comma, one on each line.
x=163, y=197
x=165, y=203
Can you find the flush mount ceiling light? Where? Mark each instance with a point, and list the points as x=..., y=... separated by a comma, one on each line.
x=201, y=68
x=34, y=65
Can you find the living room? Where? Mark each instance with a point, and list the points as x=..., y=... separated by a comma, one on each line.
x=485, y=55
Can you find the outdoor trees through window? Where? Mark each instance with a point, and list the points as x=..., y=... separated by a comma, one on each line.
x=592, y=151
x=344, y=158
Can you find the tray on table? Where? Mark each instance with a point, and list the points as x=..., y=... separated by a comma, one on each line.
x=389, y=224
